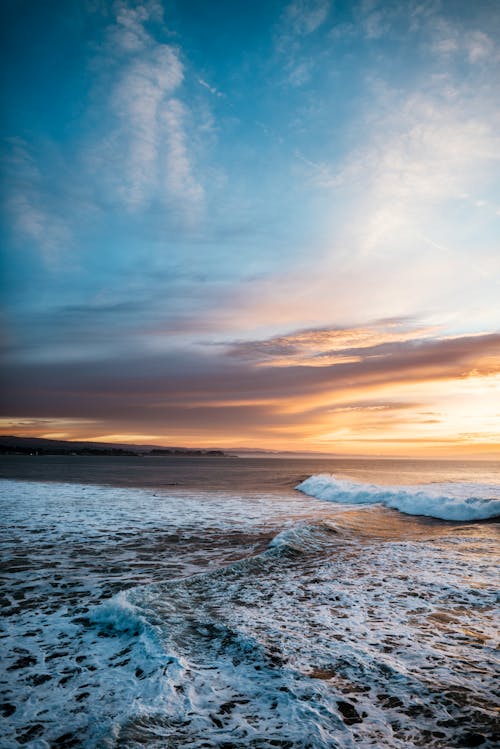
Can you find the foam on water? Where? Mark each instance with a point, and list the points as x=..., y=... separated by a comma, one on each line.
x=446, y=501
x=174, y=622
x=328, y=652
x=307, y=538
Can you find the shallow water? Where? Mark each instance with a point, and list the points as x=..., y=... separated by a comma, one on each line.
x=190, y=603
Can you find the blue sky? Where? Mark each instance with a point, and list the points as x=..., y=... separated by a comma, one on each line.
x=188, y=181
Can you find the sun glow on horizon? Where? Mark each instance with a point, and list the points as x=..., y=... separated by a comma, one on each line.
x=280, y=233
x=441, y=417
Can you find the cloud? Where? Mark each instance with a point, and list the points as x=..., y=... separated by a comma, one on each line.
x=299, y=20
x=480, y=47
x=132, y=147
x=128, y=32
x=326, y=346
x=404, y=197
x=148, y=138
x=430, y=144
x=179, y=176
x=220, y=396
x=375, y=19
x=452, y=40
x=210, y=88
x=30, y=209
x=139, y=100
x=302, y=17
x=398, y=225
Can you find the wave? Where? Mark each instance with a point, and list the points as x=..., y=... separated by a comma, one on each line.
x=119, y=615
x=445, y=501
x=306, y=538
x=122, y=617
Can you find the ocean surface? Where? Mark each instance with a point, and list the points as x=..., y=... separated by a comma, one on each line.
x=221, y=602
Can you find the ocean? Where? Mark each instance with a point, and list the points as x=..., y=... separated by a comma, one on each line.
x=248, y=602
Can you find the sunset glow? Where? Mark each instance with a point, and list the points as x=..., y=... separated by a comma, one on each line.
x=270, y=225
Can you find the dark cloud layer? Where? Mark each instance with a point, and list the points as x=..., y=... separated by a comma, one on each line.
x=214, y=390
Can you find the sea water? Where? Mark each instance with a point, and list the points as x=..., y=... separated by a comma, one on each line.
x=248, y=603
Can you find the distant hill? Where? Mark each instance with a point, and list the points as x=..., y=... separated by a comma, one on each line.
x=12, y=445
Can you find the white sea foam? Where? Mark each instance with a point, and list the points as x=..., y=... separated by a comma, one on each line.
x=446, y=501
x=113, y=642
x=321, y=652
x=306, y=537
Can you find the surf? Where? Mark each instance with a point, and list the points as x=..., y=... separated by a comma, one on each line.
x=460, y=502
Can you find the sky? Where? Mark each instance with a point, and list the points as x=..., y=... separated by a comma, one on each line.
x=271, y=224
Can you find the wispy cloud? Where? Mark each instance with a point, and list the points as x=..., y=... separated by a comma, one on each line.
x=414, y=179
x=148, y=146
x=139, y=101
x=302, y=17
x=181, y=181
x=326, y=346
x=210, y=88
x=133, y=147
x=375, y=18
x=29, y=207
x=299, y=20
x=451, y=40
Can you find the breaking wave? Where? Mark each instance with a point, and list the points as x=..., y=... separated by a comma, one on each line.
x=306, y=538
x=445, y=501
x=135, y=620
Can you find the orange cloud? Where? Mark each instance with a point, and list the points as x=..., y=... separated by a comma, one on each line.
x=387, y=388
